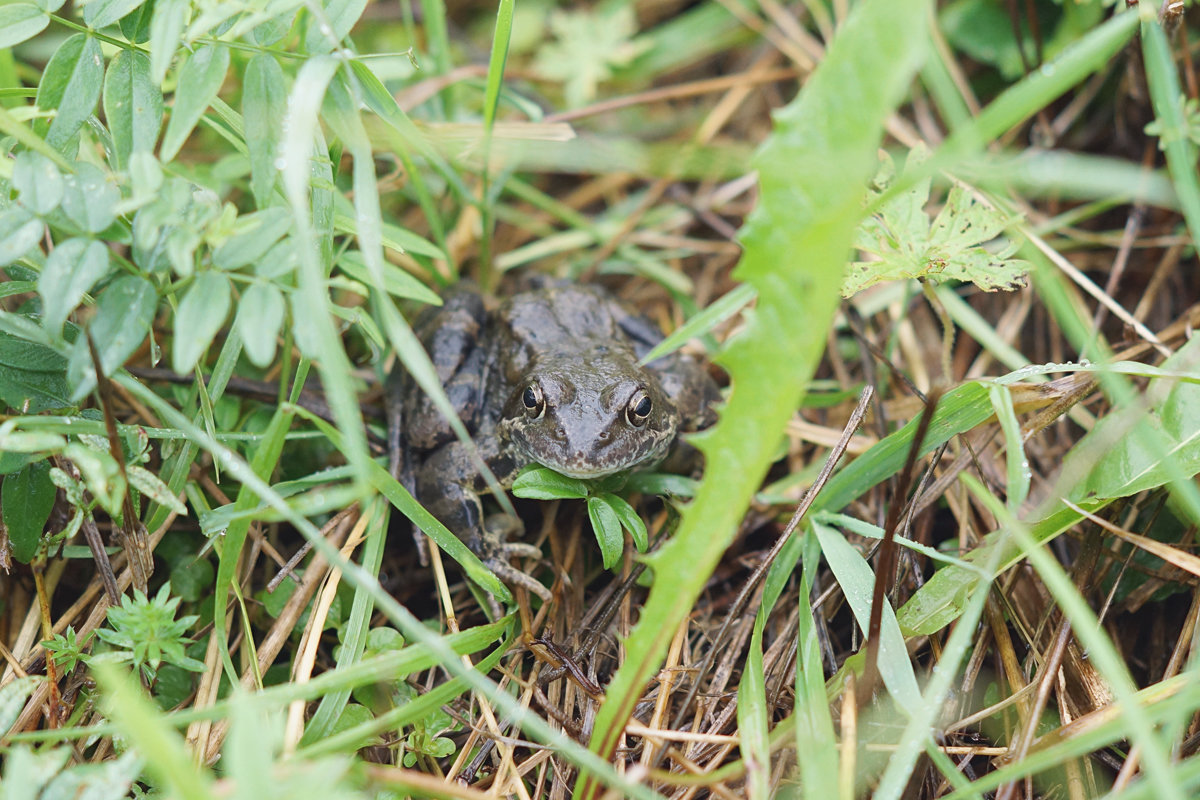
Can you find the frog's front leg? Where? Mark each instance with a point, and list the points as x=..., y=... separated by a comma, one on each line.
x=448, y=485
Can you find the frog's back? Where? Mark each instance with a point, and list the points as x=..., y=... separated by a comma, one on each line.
x=562, y=320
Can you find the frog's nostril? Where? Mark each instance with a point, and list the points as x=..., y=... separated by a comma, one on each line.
x=602, y=435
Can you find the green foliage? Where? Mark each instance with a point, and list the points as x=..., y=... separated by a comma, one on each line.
x=425, y=739
x=27, y=497
x=907, y=244
x=146, y=634
x=610, y=513
x=588, y=47
x=66, y=650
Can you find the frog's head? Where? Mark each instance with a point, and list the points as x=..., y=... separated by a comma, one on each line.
x=587, y=418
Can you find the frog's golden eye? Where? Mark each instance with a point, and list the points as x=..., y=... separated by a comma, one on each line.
x=533, y=400
x=637, y=411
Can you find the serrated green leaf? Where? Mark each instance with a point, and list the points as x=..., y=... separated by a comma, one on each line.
x=26, y=498
x=543, y=483
x=259, y=321
x=32, y=376
x=38, y=182
x=200, y=79
x=264, y=102
x=607, y=527
x=907, y=245
x=587, y=47
x=19, y=22
x=200, y=316
x=71, y=269
x=630, y=520
x=99, y=14
x=70, y=87
x=124, y=313
x=20, y=232
x=133, y=105
x=89, y=199
x=166, y=32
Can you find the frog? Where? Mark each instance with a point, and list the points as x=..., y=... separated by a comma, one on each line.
x=551, y=376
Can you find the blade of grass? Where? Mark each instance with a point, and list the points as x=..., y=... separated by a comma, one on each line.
x=1167, y=99
x=491, y=102
x=816, y=742
x=814, y=168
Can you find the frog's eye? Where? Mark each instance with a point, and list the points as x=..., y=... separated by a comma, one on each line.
x=638, y=409
x=533, y=400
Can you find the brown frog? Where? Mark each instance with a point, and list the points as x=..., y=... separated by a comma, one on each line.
x=550, y=376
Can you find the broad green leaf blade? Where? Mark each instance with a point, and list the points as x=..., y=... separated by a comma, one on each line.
x=38, y=182
x=166, y=33
x=71, y=270
x=543, y=483
x=102, y=13
x=259, y=321
x=19, y=22
x=27, y=497
x=70, y=87
x=630, y=521
x=200, y=79
x=814, y=170
x=264, y=101
x=90, y=199
x=32, y=376
x=326, y=31
x=20, y=232
x=857, y=580
x=201, y=314
x=124, y=313
x=133, y=105
x=607, y=527
x=259, y=233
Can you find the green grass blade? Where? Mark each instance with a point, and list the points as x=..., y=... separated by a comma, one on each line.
x=1168, y=98
x=814, y=170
